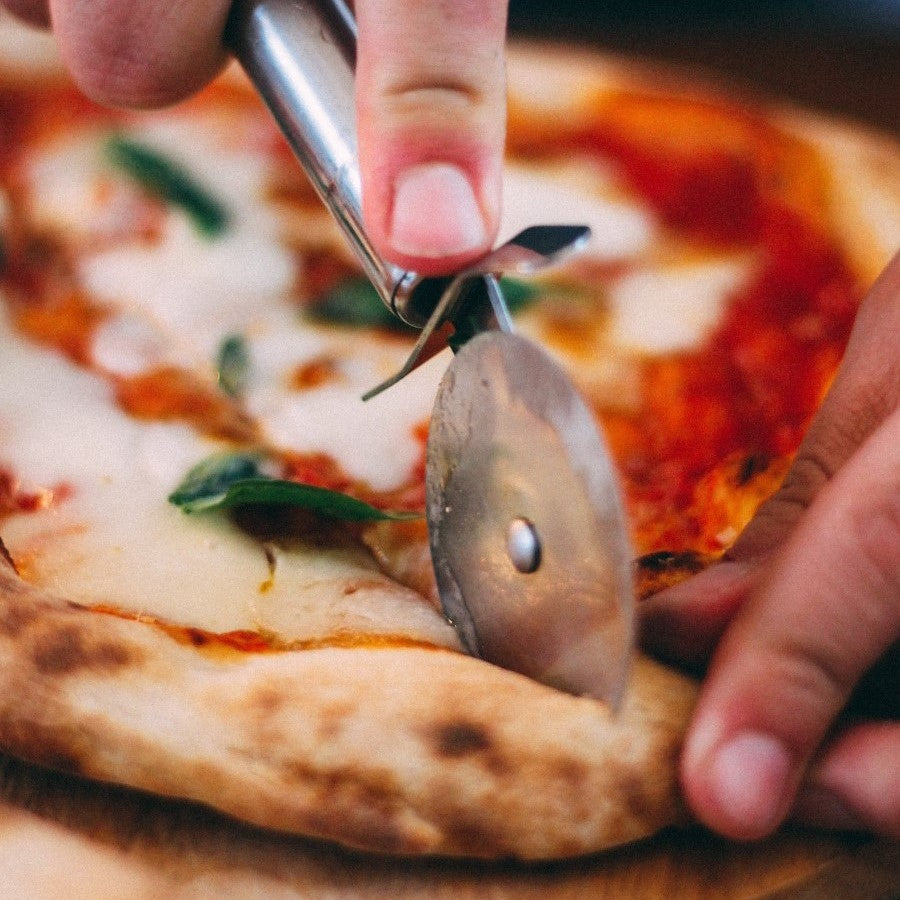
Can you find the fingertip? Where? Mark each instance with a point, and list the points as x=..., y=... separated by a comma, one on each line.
x=438, y=221
x=739, y=785
x=142, y=55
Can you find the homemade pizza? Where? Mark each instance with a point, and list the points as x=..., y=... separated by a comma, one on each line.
x=215, y=581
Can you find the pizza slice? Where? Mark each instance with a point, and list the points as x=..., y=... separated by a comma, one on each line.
x=214, y=584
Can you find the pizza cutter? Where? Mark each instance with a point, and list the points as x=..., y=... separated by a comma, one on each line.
x=526, y=525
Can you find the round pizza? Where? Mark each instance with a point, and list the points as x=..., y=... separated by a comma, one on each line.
x=215, y=581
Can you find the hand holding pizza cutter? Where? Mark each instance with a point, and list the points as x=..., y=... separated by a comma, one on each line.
x=526, y=525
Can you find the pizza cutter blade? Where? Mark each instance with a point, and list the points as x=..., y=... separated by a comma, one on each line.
x=527, y=529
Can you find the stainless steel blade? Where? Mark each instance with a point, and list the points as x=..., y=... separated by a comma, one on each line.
x=530, y=251
x=527, y=528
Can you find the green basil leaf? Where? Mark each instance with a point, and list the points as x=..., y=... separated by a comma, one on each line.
x=519, y=294
x=233, y=365
x=354, y=302
x=234, y=479
x=207, y=483
x=164, y=178
x=274, y=492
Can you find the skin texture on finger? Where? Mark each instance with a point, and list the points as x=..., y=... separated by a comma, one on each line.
x=828, y=609
x=855, y=783
x=431, y=120
x=140, y=54
x=34, y=12
x=685, y=622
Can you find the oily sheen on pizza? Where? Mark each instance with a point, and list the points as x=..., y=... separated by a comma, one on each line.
x=179, y=317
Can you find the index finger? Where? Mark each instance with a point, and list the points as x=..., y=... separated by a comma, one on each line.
x=431, y=100
x=787, y=664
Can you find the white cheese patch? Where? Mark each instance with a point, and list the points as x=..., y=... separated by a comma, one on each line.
x=176, y=299
x=535, y=196
x=128, y=344
x=673, y=308
x=196, y=288
x=118, y=541
x=373, y=440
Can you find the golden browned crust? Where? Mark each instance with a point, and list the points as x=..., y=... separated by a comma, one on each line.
x=401, y=750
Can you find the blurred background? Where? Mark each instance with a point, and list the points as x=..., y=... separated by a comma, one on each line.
x=840, y=56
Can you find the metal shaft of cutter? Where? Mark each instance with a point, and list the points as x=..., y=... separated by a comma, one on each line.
x=301, y=56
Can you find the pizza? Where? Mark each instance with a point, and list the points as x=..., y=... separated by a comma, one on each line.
x=215, y=582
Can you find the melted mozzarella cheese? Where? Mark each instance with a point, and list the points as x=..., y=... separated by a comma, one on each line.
x=199, y=288
x=535, y=196
x=374, y=440
x=673, y=308
x=128, y=344
x=116, y=540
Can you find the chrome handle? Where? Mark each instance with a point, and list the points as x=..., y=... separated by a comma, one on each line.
x=301, y=56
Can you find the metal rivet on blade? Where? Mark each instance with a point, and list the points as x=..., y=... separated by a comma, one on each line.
x=523, y=546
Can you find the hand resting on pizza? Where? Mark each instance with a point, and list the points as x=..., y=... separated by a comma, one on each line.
x=430, y=102
x=807, y=602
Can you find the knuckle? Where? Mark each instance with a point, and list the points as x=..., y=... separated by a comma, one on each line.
x=812, y=469
x=809, y=472
x=439, y=96
x=798, y=685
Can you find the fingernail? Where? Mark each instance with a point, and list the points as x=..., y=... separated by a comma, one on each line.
x=748, y=777
x=435, y=212
x=819, y=806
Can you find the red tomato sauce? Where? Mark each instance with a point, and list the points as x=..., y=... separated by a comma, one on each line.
x=754, y=386
x=717, y=176
x=13, y=499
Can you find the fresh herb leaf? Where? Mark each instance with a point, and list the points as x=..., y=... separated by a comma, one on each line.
x=234, y=479
x=207, y=483
x=518, y=294
x=166, y=179
x=274, y=492
x=233, y=365
x=355, y=302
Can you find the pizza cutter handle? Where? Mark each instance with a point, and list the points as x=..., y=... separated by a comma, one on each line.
x=301, y=57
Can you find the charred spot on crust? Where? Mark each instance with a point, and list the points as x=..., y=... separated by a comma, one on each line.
x=28, y=739
x=15, y=617
x=667, y=561
x=572, y=772
x=267, y=701
x=664, y=568
x=67, y=649
x=751, y=467
x=5, y=557
x=354, y=806
x=457, y=739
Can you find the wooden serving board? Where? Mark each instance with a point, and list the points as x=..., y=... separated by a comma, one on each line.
x=63, y=837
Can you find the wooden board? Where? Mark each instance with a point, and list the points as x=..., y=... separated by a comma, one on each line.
x=63, y=837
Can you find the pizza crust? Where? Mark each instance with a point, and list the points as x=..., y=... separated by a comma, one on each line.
x=394, y=750
x=391, y=749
